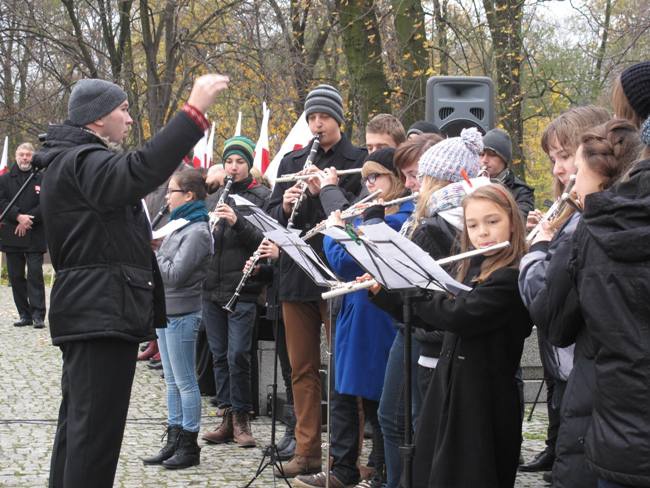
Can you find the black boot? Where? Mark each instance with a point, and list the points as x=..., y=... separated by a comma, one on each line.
x=287, y=445
x=187, y=454
x=173, y=432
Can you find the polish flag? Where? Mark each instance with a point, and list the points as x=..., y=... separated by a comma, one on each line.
x=238, y=126
x=298, y=137
x=262, y=155
x=4, y=167
x=203, y=150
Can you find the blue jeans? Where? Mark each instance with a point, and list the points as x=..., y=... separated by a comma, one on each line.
x=177, y=344
x=230, y=336
x=391, y=405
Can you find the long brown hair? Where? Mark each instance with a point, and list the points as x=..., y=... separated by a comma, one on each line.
x=610, y=149
x=566, y=129
x=505, y=258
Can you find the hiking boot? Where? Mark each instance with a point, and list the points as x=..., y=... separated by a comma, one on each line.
x=188, y=452
x=173, y=433
x=242, y=430
x=223, y=433
x=299, y=465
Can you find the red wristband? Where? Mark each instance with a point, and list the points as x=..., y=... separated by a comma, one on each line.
x=195, y=114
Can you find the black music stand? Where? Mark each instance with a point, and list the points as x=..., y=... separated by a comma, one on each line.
x=308, y=260
x=398, y=265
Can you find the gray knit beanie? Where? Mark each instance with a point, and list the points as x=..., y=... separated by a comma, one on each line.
x=445, y=160
x=325, y=99
x=91, y=99
x=498, y=141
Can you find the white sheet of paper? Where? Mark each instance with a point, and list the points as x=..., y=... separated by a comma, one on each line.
x=171, y=226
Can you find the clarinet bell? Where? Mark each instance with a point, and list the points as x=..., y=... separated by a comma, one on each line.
x=232, y=303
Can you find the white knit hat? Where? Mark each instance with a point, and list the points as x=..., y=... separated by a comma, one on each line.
x=445, y=160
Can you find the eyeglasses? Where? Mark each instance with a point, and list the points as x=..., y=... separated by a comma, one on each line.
x=371, y=178
x=169, y=190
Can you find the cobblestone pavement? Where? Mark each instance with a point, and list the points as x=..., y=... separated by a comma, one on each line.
x=30, y=369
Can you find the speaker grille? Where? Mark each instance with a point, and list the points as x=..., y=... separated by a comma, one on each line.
x=445, y=112
x=477, y=112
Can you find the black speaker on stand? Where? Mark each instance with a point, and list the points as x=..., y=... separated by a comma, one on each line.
x=454, y=103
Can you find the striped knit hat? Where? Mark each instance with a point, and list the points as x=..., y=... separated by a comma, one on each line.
x=240, y=145
x=325, y=99
x=445, y=160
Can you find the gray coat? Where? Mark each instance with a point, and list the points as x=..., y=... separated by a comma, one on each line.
x=183, y=258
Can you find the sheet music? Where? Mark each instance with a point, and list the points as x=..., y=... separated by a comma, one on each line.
x=170, y=227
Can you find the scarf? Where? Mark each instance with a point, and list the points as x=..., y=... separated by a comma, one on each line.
x=194, y=211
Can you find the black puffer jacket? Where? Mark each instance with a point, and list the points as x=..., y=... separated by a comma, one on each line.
x=234, y=245
x=27, y=203
x=523, y=194
x=107, y=280
x=294, y=283
x=611, y=265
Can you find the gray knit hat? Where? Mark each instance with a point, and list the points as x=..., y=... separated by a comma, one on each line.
x=91, y=99
x=445, y=160
x=498, y=141
x=325, y=99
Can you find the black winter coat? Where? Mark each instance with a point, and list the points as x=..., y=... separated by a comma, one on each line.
x=294, y=283
x=28, y=203
x=107, y=280
x=470, y=421
x=611, y=268
x=523, y=194
x=234, y=245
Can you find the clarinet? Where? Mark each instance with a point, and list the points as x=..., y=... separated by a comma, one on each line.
x=303, y=185
x=222, y=199
x=164, y=210
x=230, y=306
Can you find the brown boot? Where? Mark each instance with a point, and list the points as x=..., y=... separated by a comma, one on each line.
x=223, y=433
x=242, y=430
x=299, y=465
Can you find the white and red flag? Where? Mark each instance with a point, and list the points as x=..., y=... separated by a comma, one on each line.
x=203, y=151
x=238, y=126
x=262, y=154
x=298, y=137
x=4, y=163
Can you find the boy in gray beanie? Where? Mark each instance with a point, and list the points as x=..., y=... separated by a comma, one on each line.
x=92, y=99
x=496, y=159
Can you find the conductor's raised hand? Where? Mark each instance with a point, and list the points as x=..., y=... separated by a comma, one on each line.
x=205, y=90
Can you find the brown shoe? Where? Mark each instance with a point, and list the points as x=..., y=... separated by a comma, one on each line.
x=299, y=465
x=242, y=430
x=223, y=433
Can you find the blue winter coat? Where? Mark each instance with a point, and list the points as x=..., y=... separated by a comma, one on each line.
x=364, y=333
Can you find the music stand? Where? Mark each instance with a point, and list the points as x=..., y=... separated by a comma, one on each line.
x=398, y=265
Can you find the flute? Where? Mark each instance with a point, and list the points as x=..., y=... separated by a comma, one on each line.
x=214, y=220
x=352, y=286
x=358, y=209
x=291, y=177
x=556, y=209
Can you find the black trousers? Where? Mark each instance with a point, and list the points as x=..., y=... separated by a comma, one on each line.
x=96, y=389
x=29, y=293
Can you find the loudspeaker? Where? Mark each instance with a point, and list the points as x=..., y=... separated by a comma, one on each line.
x=454, y=103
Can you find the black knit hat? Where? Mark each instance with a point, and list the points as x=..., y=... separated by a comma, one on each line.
x=423, y=127
x=91, y=99
x=636, y=86
x=499, y=141
x=383, y=157
x=325, y=99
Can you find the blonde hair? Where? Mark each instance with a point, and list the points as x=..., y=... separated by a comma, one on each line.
x=508, y=257
x=396, y=189
x=429, y=186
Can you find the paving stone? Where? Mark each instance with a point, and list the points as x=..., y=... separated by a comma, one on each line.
x=30, y=368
